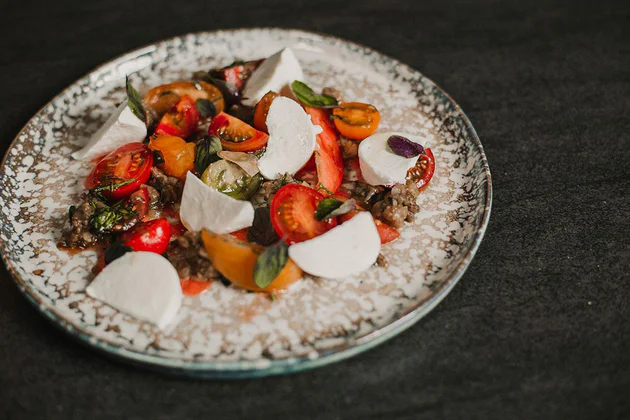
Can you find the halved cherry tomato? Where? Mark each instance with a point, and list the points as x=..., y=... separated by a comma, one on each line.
x=128, y=166
x=236, y=73
x=327, y=152
x=140, y=202
x=240, y=234
x=293, y=214
x=236, y=259
x=152, y=236
x=181, y=120
x=422, y=173
x=179, y=156
x=193, y=287
x=261, y=111
x=161, y=99
x=236, y=135
x=356, y=120
x=385, y=231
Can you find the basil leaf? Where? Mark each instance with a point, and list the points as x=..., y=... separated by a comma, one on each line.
x=115, y=251
x=331, y=207
x=206, y=152
x=404, y=147
x=307, y=96
x=134, y=100
x=262, y=231
x=206, y=107
x=270, y=263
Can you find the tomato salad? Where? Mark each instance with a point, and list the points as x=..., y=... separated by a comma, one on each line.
x=275, y=172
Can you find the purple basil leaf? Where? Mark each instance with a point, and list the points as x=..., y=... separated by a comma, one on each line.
x=404, y=147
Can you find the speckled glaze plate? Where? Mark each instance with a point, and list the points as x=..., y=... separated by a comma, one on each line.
x=227, y=332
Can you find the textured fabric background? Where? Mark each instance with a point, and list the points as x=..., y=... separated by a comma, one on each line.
x=537, y=328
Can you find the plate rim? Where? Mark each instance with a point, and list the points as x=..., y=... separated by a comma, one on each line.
x=244, y=368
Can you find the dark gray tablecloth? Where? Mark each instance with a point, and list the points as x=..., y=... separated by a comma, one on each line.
x=536, y=329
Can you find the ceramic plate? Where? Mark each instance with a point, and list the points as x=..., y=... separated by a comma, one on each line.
x=227, y=332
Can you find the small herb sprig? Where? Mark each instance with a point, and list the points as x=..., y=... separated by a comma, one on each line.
x=331, y=207
x=308, y=97
x=134, y=100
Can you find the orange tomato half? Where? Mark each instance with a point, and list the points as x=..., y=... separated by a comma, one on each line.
x=235, y=260
x=261, y=111
x=356, y=120
x=179, y=156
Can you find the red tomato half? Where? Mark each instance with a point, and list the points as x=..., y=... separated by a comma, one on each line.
x=422, y=173
x=385, y=231
x=236, y=135
x=327, y=152
x=193, y=287
x=236, y=73
x=152, y=236
x=181, y=120
x=293, y=214
x=128, y=166
x=240, y=234
x=140, y=202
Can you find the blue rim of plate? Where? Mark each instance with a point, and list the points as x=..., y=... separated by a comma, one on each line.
x=244, y=368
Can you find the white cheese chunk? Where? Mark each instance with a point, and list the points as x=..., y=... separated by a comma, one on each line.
x=342, y=251
x=276, y=73
x=205, y=208
x=292, y=139
x=121, y=128
x=381, y=166
x=142, y=284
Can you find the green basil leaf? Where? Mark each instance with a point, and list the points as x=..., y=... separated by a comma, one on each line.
x=115, y=251
x=270, y=263
x=134, y=100
x=206, y=152
x=261, y=230
x=307, y=96
x=331, y=207
x=206, y=107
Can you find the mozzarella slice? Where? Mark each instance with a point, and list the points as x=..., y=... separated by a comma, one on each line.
x=292, y=139
x=121, y=128
x=275, y=73
x=205, y=208
x=142, y=284
x=344, y=250
x=381, y=166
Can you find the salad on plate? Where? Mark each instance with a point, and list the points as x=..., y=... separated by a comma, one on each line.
x=244, y=175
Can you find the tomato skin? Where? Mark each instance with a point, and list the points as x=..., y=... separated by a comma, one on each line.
x=261, y=111
x=192, y=287
x=422, y=173
x=355, y=166
x=236, y=135
x=385, y=232
x=293, y=214
x=140, y=202
x=327, y=152
x=131, y=161
x=181, y=120
x=179, y=156
x=236, y=73
x=152, y=236
x=356, y=120
x=240, y=234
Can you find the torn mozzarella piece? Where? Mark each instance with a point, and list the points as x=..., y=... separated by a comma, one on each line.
x=142, y=284
x=292, y=139
x=276, y=73
x=380, y=165
x=121, y=128
x=344, y=250
x=203, y=207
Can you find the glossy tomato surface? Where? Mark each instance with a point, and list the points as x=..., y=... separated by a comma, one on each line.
x=122, y=171
x=422, y=173
x=152, y=236
x=293, y=214
x=236, y=135
x=327, y=152
x=181, y=120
